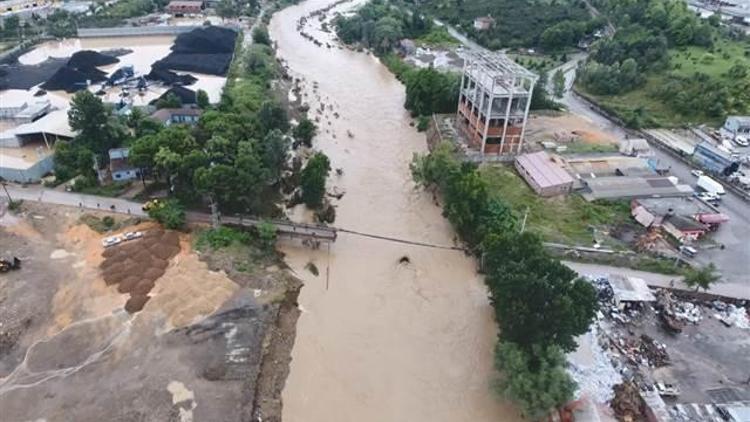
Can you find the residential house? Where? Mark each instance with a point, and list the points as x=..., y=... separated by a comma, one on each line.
x=483, y=23
x=684, y=229
x=173, y=116
x=120, y=167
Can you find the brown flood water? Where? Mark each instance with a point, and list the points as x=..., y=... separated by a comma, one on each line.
x=379, y=340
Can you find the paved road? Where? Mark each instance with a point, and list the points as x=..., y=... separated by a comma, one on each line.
x=653, y=279
x=73, y=199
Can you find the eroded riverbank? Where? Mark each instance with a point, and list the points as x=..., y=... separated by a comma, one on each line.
x=380, y=340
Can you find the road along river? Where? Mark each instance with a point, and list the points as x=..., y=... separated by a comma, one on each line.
x=380, y=339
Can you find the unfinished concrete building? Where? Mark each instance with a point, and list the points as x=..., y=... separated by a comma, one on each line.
x=494, y=104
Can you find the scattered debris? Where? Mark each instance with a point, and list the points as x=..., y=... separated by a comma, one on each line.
x=628, y=404
x=404, y=260
x=6, y=265
x=312, y=268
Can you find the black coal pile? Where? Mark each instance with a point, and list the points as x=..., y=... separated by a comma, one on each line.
x=79, y=71
x=88, y=58
x=205, y=50
x=170, y=78
x=21, y=76
x=186, y=96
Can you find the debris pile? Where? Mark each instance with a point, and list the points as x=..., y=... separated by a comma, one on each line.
x=731, y=315
x=665, y=303
x=654, y=352
x=136, y=265
x=207, y=50
x=628, y=404
x=596, y=375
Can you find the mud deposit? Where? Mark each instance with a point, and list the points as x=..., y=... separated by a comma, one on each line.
x=378, y=339
x=135, y=265
x=203, y=348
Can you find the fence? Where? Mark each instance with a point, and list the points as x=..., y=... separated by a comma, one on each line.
x=131, y=31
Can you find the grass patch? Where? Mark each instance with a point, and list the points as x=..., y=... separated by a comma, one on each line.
x=222, y=237
x=587, y=148
x=112, y=190
x=437, y=37
x=570, y=219
x=537, y=62
x=107, y=223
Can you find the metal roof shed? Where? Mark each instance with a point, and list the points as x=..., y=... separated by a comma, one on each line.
x=543, y=174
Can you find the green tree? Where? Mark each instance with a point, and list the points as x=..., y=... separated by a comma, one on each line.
x=430, y=91
x=274, y=152
x=313, y=180
x=273, y=116
x=260, y=35
x=702, y=278
x=170, y=213
x=61, y=24
x=537, y=300
x=12, y=26
x=305, y=131
x=267, y=235
x=537, y=381
x=72, y=159
x=558, y=82
x=201, y=98
x=227, y=9
x=169, y=101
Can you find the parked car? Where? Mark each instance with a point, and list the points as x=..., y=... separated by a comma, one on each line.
x=132, y=235
x=696, y=173
x=711, y=198
x=688, y=251
x=111, y=241
x=741, y=141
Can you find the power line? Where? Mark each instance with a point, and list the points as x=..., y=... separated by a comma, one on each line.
x=408, y=242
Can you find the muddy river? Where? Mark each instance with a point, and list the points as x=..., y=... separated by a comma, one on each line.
x=379, y=339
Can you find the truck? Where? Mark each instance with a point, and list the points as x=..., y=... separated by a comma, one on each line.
x=710, y=185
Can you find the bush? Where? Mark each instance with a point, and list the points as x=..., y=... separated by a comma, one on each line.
x=423, y=123
x=313, y=180
x=221, y=237
x=266, y=235
x=169, y=213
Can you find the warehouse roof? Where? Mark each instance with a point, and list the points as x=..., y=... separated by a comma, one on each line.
x=543, y=169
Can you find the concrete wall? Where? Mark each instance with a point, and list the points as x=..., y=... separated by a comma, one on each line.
x=130, y=31
x=10, y=142
x=30, y=175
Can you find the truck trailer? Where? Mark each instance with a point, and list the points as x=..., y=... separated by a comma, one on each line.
x=710, y=185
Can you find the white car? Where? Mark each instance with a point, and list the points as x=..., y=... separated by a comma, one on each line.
x=741, y=141
x=709, y=197
x=132, y=235
x=696, y=173
x=111, y=241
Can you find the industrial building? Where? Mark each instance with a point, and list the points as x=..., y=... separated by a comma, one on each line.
x=493, y=104
x=615, y=187
x=714, y=160
x=737, y=125
x=543, y=174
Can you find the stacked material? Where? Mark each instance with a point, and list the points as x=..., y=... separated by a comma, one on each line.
x=207, y=50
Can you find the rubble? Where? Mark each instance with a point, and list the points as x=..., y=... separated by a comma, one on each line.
x=594, y=373
x=628, y=404
x=731, y=315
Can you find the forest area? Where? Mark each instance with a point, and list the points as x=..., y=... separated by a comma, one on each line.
x=665, y=66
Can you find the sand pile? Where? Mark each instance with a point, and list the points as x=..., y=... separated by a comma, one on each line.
x=134, y=266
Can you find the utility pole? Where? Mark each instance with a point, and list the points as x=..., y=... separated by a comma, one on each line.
x=525, y=216
x=5, y=188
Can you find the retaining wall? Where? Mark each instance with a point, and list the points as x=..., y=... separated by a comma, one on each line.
x=131, y=31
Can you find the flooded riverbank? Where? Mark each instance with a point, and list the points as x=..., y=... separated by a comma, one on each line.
x=380, y=339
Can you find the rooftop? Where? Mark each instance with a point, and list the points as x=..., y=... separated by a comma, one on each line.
x=630, y=289
x=24, y=157
x=685, y=223
x=679, y=206
x=494, y=70
x=543, y=169
x=165, y=114
x=633, y=187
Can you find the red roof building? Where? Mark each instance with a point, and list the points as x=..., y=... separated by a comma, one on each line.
x=184, y=7
x=543, y=174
